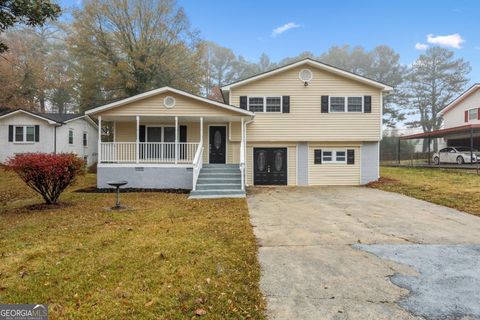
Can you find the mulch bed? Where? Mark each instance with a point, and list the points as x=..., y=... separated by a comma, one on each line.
x=123, y=190
x=381, y=181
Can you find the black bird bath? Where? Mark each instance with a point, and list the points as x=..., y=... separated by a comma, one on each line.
x=117, y=184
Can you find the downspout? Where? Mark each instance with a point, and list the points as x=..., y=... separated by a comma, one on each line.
x=55, y=140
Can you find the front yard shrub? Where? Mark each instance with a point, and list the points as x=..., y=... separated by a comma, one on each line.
x=47, y=174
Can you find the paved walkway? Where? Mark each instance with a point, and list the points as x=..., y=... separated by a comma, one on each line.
x=355, y=253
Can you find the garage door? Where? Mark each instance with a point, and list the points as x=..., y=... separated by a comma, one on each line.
x=270, y=166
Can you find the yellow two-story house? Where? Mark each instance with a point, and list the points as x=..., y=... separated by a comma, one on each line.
x=302, y=124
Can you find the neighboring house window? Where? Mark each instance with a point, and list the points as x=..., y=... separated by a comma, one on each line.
x=273, y=104
x=70, y=136
x=85, y=139
x=24, y=133
x=334, y=156
x=473, y=114
x=337, y=104
x=355, y=104
x=255, y=104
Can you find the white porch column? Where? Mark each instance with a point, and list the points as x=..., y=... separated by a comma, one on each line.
x=137, y=149
x=176, y=139
x=201, y=131
x=99, y=152
x=242, y=153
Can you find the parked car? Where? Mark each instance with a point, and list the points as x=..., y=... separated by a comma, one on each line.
x=457, y=155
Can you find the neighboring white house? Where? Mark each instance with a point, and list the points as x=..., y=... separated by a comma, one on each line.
x=23, y=131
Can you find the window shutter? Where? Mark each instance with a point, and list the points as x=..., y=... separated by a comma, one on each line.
x=37, y=133
x=350, y=156
x=243, y=102
x=286, y=104
x=317, y=156
x=183, y=133
x=367, y=104
x=10, y=133
x=142, y=133
x=478, y=114
x=324, y=104
x=466, y=115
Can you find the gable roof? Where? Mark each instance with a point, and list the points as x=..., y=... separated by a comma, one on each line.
x=51, y=118
x=155, y=92
x=314, y=63
x=460, y=98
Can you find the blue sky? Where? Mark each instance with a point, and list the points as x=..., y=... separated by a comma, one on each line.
x=248, y=26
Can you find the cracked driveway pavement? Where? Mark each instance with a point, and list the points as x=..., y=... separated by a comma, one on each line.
x=317, y=263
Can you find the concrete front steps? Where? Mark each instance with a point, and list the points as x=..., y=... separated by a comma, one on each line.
x=218, y=181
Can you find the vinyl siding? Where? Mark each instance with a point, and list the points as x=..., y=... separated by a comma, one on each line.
x=305, y=122
x=456, y=116
x=126, y=132
x=334, y=173
x=291, y=160
x=153, y=106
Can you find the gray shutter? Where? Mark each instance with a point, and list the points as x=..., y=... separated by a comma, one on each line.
x=324, y=104
x=243, y=102
x=10, y=133
x=37, y=133
x=350, y=156
x=367, y=104
x=286, y=104
x=317, y=156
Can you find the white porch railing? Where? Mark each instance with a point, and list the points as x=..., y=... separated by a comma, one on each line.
x=148, y=152
x=197, y=166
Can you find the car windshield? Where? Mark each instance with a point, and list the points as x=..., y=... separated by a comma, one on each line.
x=465, y=149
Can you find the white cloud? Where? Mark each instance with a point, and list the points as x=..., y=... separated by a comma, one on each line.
x=421, y=46
x=452, y=40
x=285, y=27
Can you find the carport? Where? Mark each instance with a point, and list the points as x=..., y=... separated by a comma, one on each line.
x=466, y=136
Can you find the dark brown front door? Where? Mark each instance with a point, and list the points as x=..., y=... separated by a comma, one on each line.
x=217, y=144
x=270, y=166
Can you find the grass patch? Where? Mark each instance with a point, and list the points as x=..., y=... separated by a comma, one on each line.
x=454, y=189
x=166, y=258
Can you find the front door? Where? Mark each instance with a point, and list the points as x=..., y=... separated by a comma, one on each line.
x=270, y=166
x=217, y=144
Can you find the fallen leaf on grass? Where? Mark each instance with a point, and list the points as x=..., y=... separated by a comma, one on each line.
x=200, y=312
x=149, y=303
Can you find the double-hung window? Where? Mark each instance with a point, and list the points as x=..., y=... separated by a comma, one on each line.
x=355, y=104
x=473, y=114
x=255, y=104
x=85, y=139
x=70, y=136
x=337, y=104
x=346, y=104
x=334, y=156
x=24, y=134
x=273, y=104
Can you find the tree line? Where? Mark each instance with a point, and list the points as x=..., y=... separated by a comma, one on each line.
x=112, y=49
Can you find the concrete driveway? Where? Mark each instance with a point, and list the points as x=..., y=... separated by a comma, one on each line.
x=360, y=253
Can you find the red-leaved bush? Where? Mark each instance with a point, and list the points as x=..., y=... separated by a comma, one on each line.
x=47, y=173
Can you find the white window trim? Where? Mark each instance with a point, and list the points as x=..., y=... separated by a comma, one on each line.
x=163, y=132
x=265, y=103
x=334, y=156
x=24, y=134
x=345, y=104
x=468, y=110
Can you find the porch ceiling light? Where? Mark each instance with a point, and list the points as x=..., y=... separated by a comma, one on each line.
x=169, y=102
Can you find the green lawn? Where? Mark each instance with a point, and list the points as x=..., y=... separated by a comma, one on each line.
x=455, y=189
x=166, y=258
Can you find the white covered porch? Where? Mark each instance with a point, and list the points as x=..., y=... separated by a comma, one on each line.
x=170, y=142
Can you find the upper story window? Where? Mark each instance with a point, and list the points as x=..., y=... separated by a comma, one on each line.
x=24, y=134
x=70, y=136
x=473, y=114
x=255, y=104
x=85, y=139
x=265, y=104
x=346, y=104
